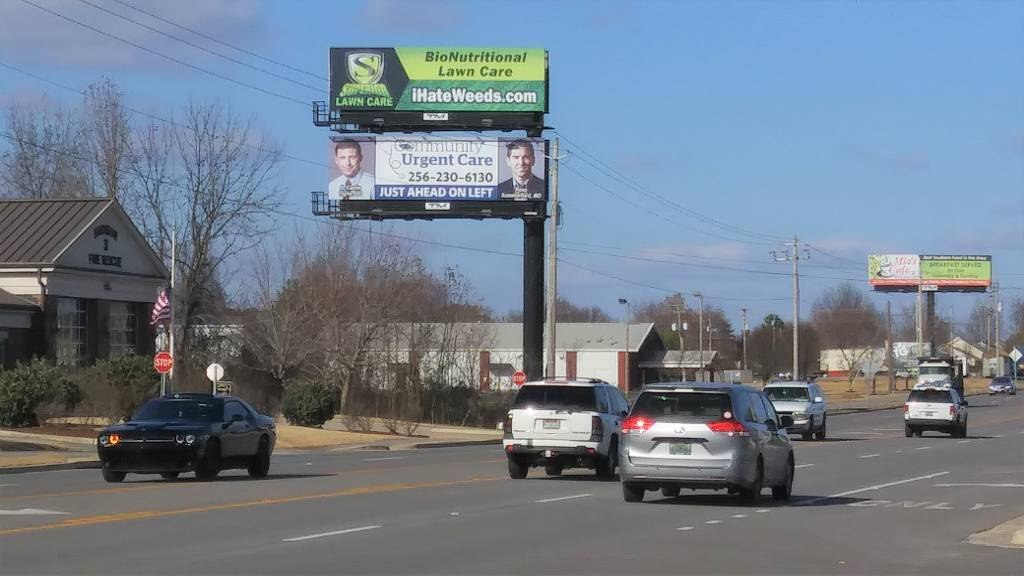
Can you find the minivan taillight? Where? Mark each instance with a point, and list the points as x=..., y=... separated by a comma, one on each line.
x=728, y=427
x=906, y=408
x=637, y=424
x=506, y=427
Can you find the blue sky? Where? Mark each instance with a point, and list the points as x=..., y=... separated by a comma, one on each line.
x=893, y=127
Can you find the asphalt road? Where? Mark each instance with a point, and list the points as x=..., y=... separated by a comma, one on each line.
x=867, y=501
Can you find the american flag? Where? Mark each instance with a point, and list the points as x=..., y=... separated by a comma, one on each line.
x=161, y=309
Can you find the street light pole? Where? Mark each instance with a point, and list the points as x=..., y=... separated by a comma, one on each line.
x=625, y=387
x=700, y=332
x=744, y=310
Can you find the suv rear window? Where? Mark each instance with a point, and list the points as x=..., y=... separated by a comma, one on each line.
x=784, y=393
x=556, y=398
x=940, y=396
x=702, y=406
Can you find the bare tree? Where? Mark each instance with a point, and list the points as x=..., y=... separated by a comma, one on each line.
x=847, y=322
x=1016, y=324
x=979, y=325
x=108, y=136
x=213, y=178
x=45, y=153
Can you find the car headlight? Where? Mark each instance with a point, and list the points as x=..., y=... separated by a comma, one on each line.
x=190, y=439
x=103, y=440
x=179, y=439
x=799, y=414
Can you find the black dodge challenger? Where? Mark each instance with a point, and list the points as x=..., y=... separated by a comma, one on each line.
x=198, y=433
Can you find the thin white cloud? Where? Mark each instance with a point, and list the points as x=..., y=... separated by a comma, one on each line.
x=32, y=36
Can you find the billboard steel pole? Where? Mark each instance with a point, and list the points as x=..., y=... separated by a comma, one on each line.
x=552, y=291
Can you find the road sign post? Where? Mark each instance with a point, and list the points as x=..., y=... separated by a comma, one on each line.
x=1015, y=355
x=214, y=372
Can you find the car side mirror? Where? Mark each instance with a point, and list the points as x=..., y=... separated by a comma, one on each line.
x=624, y=413
x=818, y=400
x=786, y=421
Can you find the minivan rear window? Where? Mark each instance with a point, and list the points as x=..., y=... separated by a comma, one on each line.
x=556, y=398
x=940, y=396
x=702, y=406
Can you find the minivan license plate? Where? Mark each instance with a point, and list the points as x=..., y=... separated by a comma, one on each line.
x=679, y=449
x=551, y=424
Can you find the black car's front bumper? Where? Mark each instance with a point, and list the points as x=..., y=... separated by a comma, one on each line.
x=150, y=458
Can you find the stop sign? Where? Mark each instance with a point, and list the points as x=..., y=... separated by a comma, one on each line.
x=163, y=362
x=519, y=378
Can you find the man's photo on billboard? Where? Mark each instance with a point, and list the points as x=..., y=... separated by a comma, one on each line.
x=351, y=170
x=521, y=173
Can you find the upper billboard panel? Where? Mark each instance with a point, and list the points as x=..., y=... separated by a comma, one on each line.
x=438, y=80
x=437, y=170
x=894, y=269
x=932, y=272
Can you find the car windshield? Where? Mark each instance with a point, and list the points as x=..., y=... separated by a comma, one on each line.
x=701, y=406
x=935, y=370
x=784, y=393
x=556, y=398
x=185, y=410
x=940, y=396
x=1001, y=380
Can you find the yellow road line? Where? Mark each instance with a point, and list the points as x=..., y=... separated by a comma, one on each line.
x=147, y=514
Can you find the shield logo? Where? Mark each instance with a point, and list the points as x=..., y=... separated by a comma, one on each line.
x=365, y=67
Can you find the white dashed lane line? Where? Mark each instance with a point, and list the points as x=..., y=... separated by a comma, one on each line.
x=559, y=499
x=739, y=515
x=923, y=448
x=997, y=485
x=713, y=522
x=684, y=528
x=963, y=442
x=871, y=456
x=804, y=465
x=334, y=533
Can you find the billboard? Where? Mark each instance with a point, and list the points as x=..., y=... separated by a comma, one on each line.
x=932, y=272
x=438, y=80
x=435, y=177
x=894, y=269
x=959, y=271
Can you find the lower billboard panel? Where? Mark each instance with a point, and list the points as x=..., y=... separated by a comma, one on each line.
x=421, y=210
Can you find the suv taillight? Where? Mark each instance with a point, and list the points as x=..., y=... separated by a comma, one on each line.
x=506, y=427
x=596, y=428
x=637, y=424
x=728, y=427
x=952, y=410
x=906, y=408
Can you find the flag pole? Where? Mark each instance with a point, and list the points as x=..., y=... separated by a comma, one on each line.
x=174, y=260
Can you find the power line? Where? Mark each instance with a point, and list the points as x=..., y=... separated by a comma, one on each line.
x=225, y=44
x=165, y=56
x=319, y=89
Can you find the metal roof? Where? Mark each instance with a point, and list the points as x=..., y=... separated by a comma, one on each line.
x=34, y=232
x=671, y=359
x=572, y=335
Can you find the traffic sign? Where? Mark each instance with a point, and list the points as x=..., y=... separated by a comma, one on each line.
x=214, y=372
x=163, y=362
x=1016, y=355
x=519, y=378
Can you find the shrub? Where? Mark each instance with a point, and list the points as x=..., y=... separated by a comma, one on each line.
x=129, y=381
x=30, y=386
x=308, y=403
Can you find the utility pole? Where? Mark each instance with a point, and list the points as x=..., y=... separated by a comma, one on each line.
x=744, y=310
x=999, y=312
x=888, y=347
x=625, y=385
x=700, y=332
x=552, y=288
x=791, y=253
x=679, y=332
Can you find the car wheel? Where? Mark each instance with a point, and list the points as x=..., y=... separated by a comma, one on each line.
x=908, y=431
x=670, y=491
x=209, y=466
x=168, y=475
x=919, y=433
x=606, y=464
x=553, y=469
x=820, y=434
x=810, y=429
x=963, y=430
x=632, y=492
x=752, y=494
x=517, y=470
x=783, y=491
x=112, y=476
x=259, y=465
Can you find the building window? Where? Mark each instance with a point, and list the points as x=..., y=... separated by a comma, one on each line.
x=72, y=330
x=123, y=338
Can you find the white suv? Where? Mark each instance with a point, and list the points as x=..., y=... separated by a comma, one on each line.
x=561, y=423
x=935, y=406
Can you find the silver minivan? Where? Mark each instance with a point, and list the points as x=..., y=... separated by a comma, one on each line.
x=705, y=435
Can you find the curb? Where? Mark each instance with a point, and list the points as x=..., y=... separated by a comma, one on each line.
x=89, y=464
x=456, y=444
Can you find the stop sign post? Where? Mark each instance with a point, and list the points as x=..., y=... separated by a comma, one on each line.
x=519, y=378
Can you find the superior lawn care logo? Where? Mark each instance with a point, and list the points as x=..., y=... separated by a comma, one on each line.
x=365, y=70
x=439, y=79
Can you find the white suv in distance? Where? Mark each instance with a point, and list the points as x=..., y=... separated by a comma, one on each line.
x=935, y=406
x=805, y=402
x=561, y=424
